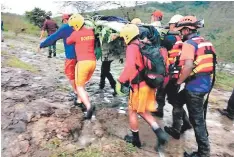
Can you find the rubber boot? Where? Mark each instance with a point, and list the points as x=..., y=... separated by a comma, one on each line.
x=133, y=139
x=54, y=52
x=81, y=105
x=172, y=132
x=226, y=113
x=185, y=127
x=162, y=138
x=113, y=87
x=89, y=113
x=50, y=53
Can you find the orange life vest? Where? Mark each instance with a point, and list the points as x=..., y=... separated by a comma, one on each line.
x=173, y=57
x=204, y=56
x=175, y=51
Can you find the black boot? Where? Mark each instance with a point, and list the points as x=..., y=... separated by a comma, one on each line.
x=81, y=105
x=113, y=87
x=185, y=127
x=50, y=53
x=173, y=132
x=162, y=138
x=54, y=54
x=89, y=113
x=134, y=139
x=226, y=113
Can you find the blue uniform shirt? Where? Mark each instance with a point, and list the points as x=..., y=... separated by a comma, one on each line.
x=62, y=33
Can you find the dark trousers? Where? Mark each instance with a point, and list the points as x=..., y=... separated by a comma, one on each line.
x=105, y=73
x=194, y=102
x=52, y=48
x=230, y=107
x=170, y=90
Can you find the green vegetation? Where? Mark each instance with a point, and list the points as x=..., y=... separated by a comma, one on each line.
x=224, y=81
x=37, y=16
x=59, y=47
x=15, y=23
x=15, y=62
x=218, y=21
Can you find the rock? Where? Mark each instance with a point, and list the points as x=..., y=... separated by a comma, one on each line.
x=70, y=147
x=97, y=129
x=20, y=127
x=60, y=136
x=62, y=113
x=24, y=146
x=25, y=136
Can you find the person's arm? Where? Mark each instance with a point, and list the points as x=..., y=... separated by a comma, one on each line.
x=43, y=30
x=71, y=39
x=129, y=65
x=59, y=34
x=186, y=71
x=187, y=55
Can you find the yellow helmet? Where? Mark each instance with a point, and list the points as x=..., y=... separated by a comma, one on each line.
x=76, y=21
x=128, y=32
x=136, y=21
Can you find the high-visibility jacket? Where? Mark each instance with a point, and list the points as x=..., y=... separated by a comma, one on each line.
x=205, y=57
x=173, y=57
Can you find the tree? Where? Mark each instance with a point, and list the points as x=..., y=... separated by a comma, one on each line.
x=83, y=6
x=88, y=6
x=128, y=12
x=37, y=16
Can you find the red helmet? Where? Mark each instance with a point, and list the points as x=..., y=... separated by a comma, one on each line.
x=157, y=13
x=65, y=16
x=187, y=21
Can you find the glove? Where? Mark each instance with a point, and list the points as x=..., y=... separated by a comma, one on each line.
x=122, y=89
x=121, y=60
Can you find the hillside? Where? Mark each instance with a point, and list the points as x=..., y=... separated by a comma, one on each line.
x=219, y=21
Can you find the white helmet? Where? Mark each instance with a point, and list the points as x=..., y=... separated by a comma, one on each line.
x=176, y=18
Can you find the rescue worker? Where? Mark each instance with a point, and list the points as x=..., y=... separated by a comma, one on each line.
x=70, y=62
x=84, y=40
x=229, y=112
x=198, y=57
x=136, y=21
x=50, y=26
x=142, y=97
x=173, y=44
x=156, y=18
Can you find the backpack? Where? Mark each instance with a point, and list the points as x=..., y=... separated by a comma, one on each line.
x=154, y=60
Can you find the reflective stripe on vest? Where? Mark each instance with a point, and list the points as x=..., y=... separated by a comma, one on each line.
x=203, y=56
x=175, y=51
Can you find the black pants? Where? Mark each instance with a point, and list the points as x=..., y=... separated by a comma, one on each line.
x=230, y=107
x=194, y=102
x=52, y=48
x=170, y=90
x=105, y=72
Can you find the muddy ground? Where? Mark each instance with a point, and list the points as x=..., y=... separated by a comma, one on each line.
x=39, y=120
